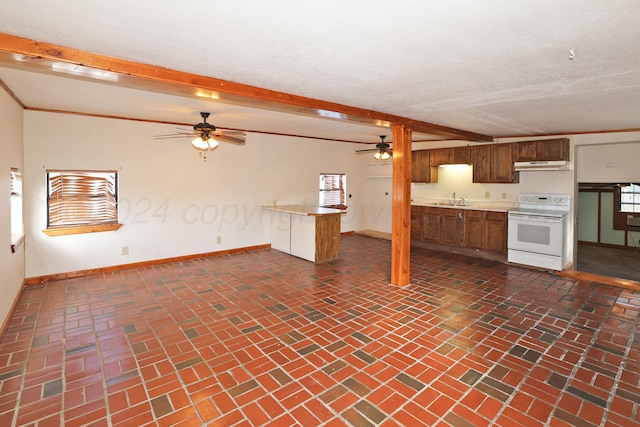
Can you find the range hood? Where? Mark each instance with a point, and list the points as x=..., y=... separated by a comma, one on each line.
x=551, y=165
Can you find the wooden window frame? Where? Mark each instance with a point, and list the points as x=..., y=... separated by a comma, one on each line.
x=76, y=210
x=341, y=189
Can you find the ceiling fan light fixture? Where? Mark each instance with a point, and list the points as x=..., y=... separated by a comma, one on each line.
x=212, y=143
x=384, y=155
x=200, y=144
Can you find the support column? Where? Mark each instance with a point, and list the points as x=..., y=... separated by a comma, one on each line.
x=401, y=206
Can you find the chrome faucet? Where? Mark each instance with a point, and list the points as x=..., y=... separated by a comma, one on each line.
x=454, y=198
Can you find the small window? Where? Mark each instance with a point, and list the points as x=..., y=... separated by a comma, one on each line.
x=17, y=226
x=81, y=202
x=333, y=188
x=626, y=202
x=630, y=198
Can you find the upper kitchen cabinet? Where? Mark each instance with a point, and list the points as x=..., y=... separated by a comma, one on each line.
x=493, y=163
x=541, y=150
x=450, y=156
x=461, y=155
x=421, y=170
x=440, y=156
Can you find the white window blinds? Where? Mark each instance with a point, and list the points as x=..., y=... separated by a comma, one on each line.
x=333, y=190
x=81, y=198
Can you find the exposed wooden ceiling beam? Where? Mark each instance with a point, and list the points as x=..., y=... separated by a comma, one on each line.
x=22, y=52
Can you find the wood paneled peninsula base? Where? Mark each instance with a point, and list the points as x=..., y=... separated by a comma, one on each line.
x=308, y=232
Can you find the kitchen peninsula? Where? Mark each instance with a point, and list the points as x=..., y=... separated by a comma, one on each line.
x=308, y=232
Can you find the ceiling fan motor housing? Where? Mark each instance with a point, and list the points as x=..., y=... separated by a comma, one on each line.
x=204, y=127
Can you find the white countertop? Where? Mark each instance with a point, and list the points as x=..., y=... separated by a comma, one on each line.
x=475, y=205
x=304, y=210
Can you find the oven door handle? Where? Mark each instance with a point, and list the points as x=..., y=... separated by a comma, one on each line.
x=537, y=218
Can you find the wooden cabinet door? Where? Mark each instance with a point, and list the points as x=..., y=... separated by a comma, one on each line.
x=541, y=150
x=553, y=149
x=431, y=224
x=481, y=162
x=524, y=151
x=461, y=155
x=473, y=229
x=416, y=222
x=502, y=164
x=452, y=226
x=495, y=231
x=440, y=156
x=421, y=170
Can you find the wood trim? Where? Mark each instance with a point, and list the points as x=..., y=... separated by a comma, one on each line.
x=5, y=322
x=80, y=229
x=40, y=55
x=590, y=277
x=13, y=96
x=34, y=281
x=401, y=206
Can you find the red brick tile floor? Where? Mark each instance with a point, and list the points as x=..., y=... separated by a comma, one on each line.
x=266, y=339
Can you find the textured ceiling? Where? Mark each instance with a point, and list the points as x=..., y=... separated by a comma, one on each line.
x=495, y=67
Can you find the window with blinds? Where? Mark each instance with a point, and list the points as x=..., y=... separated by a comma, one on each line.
x=82, y=198
x=333, y=188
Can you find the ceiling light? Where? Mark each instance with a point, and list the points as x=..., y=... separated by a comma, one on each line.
x=382, y=155
x=200, y=144
x=204, y=143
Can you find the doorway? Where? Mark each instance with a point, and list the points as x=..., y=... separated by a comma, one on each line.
x=606, y=244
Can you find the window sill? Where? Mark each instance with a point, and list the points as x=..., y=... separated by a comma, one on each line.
x=80, y=229
x=16, y=241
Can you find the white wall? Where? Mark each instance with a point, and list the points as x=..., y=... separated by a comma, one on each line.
x=609, y=162
x=172, y=203
x=11, y=155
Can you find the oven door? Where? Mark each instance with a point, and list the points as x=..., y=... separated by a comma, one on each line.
x=535, y=233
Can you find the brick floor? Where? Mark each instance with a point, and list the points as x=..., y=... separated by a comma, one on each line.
x=265, y=339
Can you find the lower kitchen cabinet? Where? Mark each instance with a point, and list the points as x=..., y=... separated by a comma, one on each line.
x=473, y=229
x=431, y=224
x=452, y=227
x=469, y=228
x=495, y=231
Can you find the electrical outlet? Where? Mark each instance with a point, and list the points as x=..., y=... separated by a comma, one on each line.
x=219, y=239
x=487, y=195
x=504, y=196
x=125, y=250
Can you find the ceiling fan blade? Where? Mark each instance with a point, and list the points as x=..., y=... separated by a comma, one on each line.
x=173, y=136
x=231, y=132
x=370, y=150
x=231, y=139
